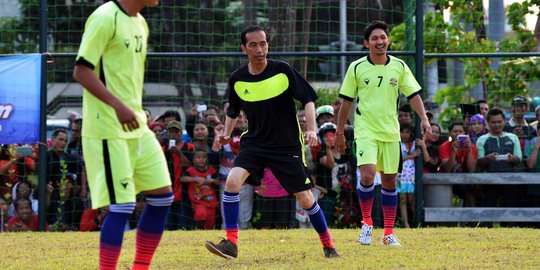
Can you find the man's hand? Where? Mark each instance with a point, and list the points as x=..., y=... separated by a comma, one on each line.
x=426, y=129
x=339, y=142
x=220, y=141
x=127, y=117
x=310, y=138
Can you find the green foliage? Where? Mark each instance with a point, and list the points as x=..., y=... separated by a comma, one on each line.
x=425, y=248
x=499, y=86
x=326, y=96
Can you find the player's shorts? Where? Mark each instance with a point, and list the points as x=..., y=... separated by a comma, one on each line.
x=385, y=155
x=118, y=169
x=288, y=167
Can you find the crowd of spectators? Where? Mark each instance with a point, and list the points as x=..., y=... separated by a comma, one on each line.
x=482, y=141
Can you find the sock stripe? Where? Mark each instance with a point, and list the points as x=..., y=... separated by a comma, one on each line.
x=125, y=208
x=313, y=209
x=234, y=198
x=363, y=188
x=160, y=200
x=389, y=192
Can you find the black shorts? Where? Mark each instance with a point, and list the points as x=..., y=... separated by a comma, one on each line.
x=287, y=166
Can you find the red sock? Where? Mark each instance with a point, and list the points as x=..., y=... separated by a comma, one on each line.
x=326, y=239
x=146, y=245
x=232, y=235
x=108, y=256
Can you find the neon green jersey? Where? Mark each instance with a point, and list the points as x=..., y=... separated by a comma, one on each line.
x=377, y=89
x=114, y=46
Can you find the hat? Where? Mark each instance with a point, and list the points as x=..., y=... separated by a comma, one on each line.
x=325, y=109
x=326, y=127
x=519, y=100
x=174, y=124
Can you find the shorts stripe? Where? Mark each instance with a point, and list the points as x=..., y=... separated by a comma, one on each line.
x=108, y=172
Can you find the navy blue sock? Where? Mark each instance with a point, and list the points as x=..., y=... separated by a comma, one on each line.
x=316, y=216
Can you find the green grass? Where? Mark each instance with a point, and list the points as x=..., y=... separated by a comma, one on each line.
x=425, y=248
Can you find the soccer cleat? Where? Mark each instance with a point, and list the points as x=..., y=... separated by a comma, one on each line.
x=365, y=234
x=225, y=249
x=330, y=252
x=390, y=240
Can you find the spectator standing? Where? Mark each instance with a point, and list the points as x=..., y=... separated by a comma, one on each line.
x=377, y=80
x=202, y=182
x=92, y=219
x=499, y=151
x=483, y=107
x=534, y=124
x=533, y=163
x=405, y=115
x=121, y=153
x=265, y=90
x=23, y=190
x=158, y=128
x=518, y=125
x=14, y=167
x=406, y=179
x=477, y=127
x=431, y=147
x=273, y=203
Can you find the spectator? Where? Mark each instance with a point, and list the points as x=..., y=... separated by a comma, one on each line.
x=405, y=115
x=499, y=151
x=23, y=190
x=533, y=163
x=92, y=219
x=158, y=128
x=63, y=174
x=431, y=147
x=459, y=156
x=25, y=220
x=534, y=124
x=74, y=147
x=228, y=154
x=406, y=179
x=202, y=182
x=467, y=111
x=518, y=125
x=4, y=205
x=273, y=203
x=14, y=167
x=324, y=114
x=168, y=116
x=202, y=113
x=477, y=127
x=483, y=107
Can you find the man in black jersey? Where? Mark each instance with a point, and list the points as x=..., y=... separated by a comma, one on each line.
x=265, y=90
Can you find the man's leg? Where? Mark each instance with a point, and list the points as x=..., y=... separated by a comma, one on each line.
x=112, y=234
x=316, y=216
x=151, y=226
x=231, y=208
x=389, y=200
x=366, y=192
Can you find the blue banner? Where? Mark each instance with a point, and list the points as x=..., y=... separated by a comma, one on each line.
x=20, y=83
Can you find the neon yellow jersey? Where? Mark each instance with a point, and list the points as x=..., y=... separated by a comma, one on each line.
x=114, y=46
x=377, y=89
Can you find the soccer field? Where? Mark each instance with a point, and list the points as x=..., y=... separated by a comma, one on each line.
x=425, y=248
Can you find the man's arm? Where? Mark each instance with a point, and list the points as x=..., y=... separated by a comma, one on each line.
x=342, y=119
x=418, y=106
x=223, y=139
x=86, y=77
x=310, y=135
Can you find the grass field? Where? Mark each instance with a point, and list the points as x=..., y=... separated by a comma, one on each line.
x=425, y=248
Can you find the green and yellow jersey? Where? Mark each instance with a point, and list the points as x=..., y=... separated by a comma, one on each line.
x=114, y=45
x=268, y=102
x=377, y=89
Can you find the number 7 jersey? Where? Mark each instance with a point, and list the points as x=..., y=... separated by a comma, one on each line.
x=377, y=89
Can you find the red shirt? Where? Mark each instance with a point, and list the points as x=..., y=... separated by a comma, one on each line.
x=461, y=156
x=32, y=224
x=205, y=193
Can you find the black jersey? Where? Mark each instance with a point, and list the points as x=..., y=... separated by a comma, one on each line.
x=268, y=102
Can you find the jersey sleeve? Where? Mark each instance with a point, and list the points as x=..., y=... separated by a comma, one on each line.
x=517, y=147
x=234, y=101
x=481, y=151
x=98, y=31
x=409, y=85
x=349, y=86
x=301, y=89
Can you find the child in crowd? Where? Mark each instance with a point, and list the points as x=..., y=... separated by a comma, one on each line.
x=406, y=179
x=202, y=190
x=477, y=127
x=273, y=202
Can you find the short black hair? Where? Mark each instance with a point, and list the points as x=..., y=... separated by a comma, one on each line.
x=170, y=113
x=250, y=29
x=375, y=25
x=20, y=201
x=495, y=112
x=58, y=131
x=456, y=123
x=405, y=108
x=481, y=101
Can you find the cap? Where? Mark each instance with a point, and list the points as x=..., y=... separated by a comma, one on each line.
x=519, y=100
x=325, y=109
x=174, y=124
x=326, y=127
